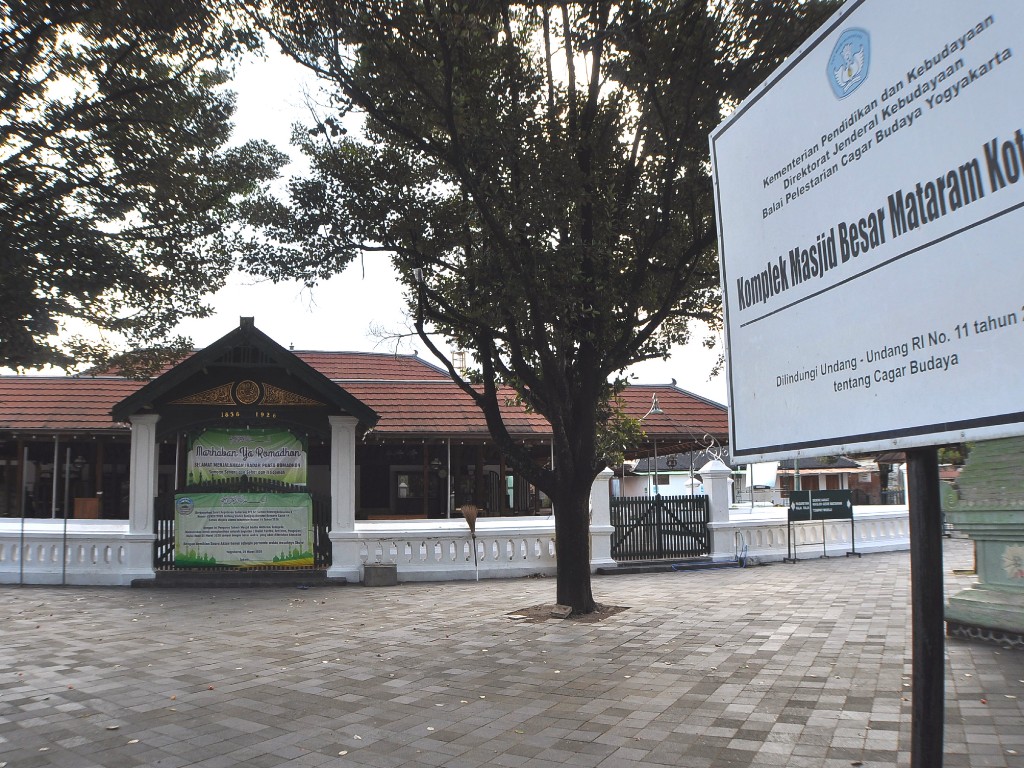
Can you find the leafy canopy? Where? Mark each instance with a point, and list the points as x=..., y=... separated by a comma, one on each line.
x=539, y=173
x=115, y=178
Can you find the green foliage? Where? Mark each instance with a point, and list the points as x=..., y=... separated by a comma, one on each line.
x=954, y=454
x=115, y=180
x=540, y=175
x=618, y=433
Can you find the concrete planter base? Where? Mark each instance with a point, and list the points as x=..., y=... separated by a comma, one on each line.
x=380, y=575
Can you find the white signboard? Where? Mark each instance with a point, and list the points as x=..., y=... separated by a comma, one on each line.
x=870, y=202
x=243, y=529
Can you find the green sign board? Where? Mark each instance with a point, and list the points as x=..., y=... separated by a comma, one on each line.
x=820, y=505
x=271, y=454
x=243, y=529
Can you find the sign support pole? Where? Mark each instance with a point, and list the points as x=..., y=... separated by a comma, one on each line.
x=926, y=590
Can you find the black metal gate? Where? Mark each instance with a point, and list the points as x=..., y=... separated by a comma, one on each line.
x=660, y=527
x=163, y=547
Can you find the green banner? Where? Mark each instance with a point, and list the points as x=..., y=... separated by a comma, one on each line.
x=272, y=454
x=243, y=529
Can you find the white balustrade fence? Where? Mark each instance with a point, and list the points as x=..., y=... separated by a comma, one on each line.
x=442, y=550
x=105, y=552
x=85, y=552
x=765, y=537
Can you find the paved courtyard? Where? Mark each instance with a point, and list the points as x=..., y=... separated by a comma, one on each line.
x=797, y=665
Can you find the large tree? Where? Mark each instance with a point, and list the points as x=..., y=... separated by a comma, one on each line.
x=115, y=176
x=540, y=174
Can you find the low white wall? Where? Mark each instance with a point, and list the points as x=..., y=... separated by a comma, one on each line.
x=442, y=550
x=97, y=552
x=103, y=552
x=762, y=532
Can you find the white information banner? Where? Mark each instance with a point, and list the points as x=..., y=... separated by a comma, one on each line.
x=243, y=529
x=870, y=200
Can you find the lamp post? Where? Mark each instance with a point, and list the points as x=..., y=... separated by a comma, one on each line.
x=442, y=476
x=622, y=486
x=655, y=410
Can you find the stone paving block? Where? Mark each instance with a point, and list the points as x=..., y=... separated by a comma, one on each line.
x=803, y=666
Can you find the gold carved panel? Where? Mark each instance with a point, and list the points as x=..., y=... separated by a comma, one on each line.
x=276, y=396
x=217, y=396
x=247, y=392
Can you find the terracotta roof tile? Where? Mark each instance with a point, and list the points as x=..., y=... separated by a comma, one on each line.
x=61, y=403
x=436, y=409
x=369, y=365
x=347, y=365
x=414, y=399
x=686, y=415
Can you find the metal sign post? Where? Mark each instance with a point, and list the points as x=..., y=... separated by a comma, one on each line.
x=808, y=506
x=927, y=614
x=873, y=182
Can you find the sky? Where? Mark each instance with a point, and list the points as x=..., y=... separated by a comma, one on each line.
x=348, y=312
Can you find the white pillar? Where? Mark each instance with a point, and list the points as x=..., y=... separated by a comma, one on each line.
x=343, y=472
x=143, y=473
x=345, y=561
x=142, y=487
x=905, y=485
x=601, y=528
x=715, y=476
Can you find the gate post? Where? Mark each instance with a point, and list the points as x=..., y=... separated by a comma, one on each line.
x=345, y=560
x=601, y=528
x=715, y=476
x=142, y=487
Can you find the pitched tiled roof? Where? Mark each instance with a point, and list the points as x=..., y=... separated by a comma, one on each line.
x=63, y=403
x=413, y=398
x=369, y=365
x=436, y=409
x=346, y=365
x=246, y=345
x=686, y=417
x=949, y=472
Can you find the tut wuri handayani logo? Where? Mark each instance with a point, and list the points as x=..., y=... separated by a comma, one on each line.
x=848, y=64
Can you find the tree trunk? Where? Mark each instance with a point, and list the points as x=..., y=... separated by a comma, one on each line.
x=572, y=547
